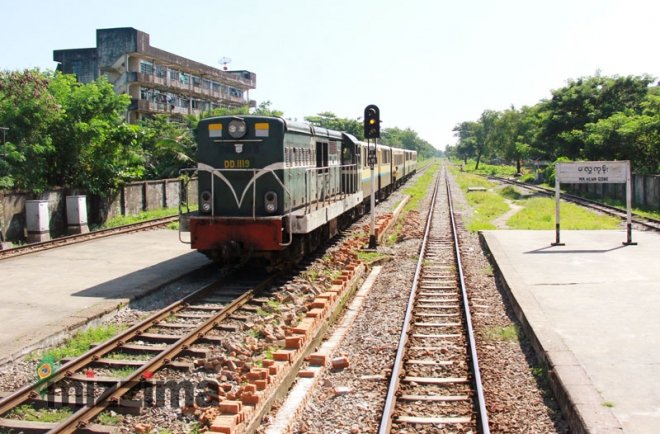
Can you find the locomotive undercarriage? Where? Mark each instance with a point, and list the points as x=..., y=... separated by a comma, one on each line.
x=236, y=253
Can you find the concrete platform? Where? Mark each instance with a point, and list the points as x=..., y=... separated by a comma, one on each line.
x=46, y=294
x=592, y=307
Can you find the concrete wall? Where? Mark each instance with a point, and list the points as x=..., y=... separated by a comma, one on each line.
x=645, y=191
x=131, y=199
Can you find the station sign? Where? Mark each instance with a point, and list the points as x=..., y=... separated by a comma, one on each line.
x=593, y=172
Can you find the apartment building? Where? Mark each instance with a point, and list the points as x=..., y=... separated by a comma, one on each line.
x=158, y=82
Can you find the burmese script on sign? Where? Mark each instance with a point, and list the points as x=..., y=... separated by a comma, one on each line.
x=608, y=172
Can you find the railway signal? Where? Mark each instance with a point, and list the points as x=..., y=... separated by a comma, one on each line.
x=372, y=131
x=372, y=122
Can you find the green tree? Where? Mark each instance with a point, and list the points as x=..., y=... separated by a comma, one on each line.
x=628, y=136
x=95, y=148
x=330, y=121
x=586, y=101
x=167, y=146
x=30, y=112
x=265, y=109
x=408, y=139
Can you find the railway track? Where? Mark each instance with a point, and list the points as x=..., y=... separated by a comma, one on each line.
x=435, y=384
x=647, y=223
x=183, y=330
x=72, y=239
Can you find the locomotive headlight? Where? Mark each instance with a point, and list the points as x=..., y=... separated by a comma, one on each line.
x=206, y=201
x=237, y=128
x=270, y=202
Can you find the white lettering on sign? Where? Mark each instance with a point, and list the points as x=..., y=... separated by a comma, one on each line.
x=590, y=172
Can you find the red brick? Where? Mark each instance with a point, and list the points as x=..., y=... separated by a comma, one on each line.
x=319, y=303
x=248, y=388
x=293, y=342
x=266, y=363
x=283, y=355
x=303, y=326
x=261, y=384
x=224, y=424
x=340, y=362
x=250, y=399
x=230, y=407
x=306, y=373
x=315, y=313
x=336, y=288
x=261, y=373
x=318, y=359
x=274, y=370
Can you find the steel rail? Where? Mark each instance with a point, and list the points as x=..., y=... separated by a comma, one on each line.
x=113, y=394
x=482, y=413
x=79, y=238
x=647, y=222
x=30, y=391
x=390, y=401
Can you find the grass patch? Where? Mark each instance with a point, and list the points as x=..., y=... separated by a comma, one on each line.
x=510, y=333
x=82, y=341
x=109, y=418
x=420, y=188
x=608, y=404
x=643, y=212
x=26, y=412
x=487, y=207
x=118, y=355
x=510, y=192
x=122, y=372
x=143, y=216
x=539, y=213
x=539, y=373
x=370, y=257
x=502, y=171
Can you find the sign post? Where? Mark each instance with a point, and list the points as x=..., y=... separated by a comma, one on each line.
x=595, y=172
x=372, y=131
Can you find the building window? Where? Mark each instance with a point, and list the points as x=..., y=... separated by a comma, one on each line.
x=174, y=75
x=146, y=67
x=161, y=71
x=196, y=81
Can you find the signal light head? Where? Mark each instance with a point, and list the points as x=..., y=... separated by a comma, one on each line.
x=371, y=122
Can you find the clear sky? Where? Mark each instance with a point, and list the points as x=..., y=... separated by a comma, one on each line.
x=428, y=64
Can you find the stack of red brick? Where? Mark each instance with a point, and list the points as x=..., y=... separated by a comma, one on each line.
x=234, y=413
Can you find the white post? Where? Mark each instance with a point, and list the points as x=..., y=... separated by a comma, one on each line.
x=557, y=195
x=628, y=241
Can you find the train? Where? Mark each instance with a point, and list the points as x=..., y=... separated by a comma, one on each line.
x=273, y=189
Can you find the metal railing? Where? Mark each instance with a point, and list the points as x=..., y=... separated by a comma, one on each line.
x=321, y=178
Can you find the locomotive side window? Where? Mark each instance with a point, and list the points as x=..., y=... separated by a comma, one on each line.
x=321, y=154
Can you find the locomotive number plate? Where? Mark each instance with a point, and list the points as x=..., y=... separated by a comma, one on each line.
x=237, y=164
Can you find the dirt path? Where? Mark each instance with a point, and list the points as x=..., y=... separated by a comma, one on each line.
x=500, y=222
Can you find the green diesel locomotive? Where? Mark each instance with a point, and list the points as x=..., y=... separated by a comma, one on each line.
x=274, y=189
